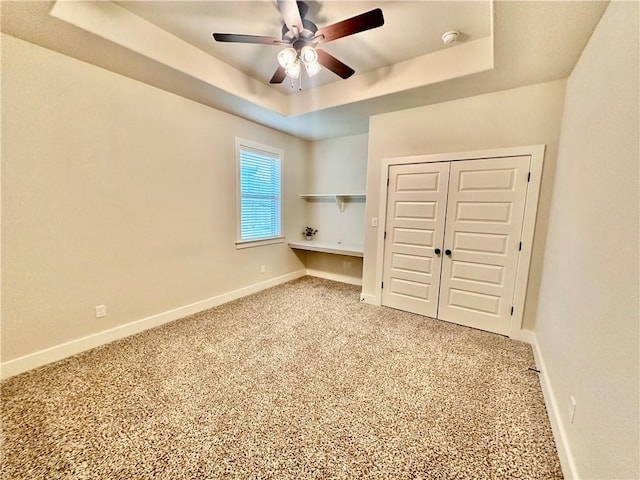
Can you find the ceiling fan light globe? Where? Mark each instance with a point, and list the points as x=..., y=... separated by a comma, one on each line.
x=308, y=55
x=312, y=68
x=293, y=69
x=287, y=57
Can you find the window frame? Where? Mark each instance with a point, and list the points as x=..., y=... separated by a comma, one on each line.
x=244, y=144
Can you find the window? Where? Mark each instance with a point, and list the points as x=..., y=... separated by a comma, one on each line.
x=259, y=194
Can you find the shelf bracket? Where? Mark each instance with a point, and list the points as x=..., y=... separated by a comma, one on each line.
x=340, y=202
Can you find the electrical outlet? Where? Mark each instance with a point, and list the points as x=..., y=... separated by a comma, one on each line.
x=101, y=311
x=572, y=409
x=263, y=269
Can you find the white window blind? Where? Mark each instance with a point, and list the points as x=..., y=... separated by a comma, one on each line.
x=260, y=194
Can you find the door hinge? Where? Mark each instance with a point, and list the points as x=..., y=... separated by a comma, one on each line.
x=528, y=177
x=511, y=310
x=382, y=285
x=385, y=235
x=387, y=182
x=520, y=246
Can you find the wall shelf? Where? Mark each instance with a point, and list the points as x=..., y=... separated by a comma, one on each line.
x=339, y=198
x=327, y=247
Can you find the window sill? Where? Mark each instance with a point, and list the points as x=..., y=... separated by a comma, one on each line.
x=258, y=243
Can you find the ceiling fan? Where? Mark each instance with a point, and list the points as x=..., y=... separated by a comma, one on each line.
x=302, y=38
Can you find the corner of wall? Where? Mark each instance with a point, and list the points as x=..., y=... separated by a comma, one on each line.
x=553, y=410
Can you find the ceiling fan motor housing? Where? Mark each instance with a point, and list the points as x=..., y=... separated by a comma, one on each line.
x=307, y=33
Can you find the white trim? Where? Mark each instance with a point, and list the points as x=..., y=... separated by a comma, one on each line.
x=554, y=413
x=259, y=243
x=536, y=152
x=368, y=298
x=527, y=237
x=336, y=277
x=73, y=347
x=526, y=336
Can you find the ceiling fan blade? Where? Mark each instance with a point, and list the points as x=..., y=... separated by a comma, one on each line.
x=278, y=76
x=357, y=24
x=291, y=14
x=237, y=38
x=332, y=63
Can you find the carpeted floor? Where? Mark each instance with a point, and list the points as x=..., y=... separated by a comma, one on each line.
x=301, y=381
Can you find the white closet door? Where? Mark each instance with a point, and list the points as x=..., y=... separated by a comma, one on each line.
x=416, y=205
x=485, y=210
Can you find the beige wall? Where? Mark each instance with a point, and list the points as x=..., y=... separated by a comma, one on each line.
x=118, y=193
x=337, y=165
x=587, y=322
x=523, y=116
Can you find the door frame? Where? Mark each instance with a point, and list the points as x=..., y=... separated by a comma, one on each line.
x=536, y=152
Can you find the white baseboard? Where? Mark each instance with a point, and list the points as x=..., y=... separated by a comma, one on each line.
x=334, y=276
x=526, y=336
x=553, y=410
x=73, y=347
x=370, y=299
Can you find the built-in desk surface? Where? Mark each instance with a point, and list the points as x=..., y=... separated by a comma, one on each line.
x=327, y=247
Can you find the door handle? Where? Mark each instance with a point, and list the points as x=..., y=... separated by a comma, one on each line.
x=447, y=252
x=437, y=251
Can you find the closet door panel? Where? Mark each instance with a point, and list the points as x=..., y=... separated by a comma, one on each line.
x=485, y=211
x=416, y=204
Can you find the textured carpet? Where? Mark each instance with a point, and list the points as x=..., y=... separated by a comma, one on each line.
x=301, y=381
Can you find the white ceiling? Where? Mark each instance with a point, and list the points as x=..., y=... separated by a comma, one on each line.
x=411, y=29
x=402, y=64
